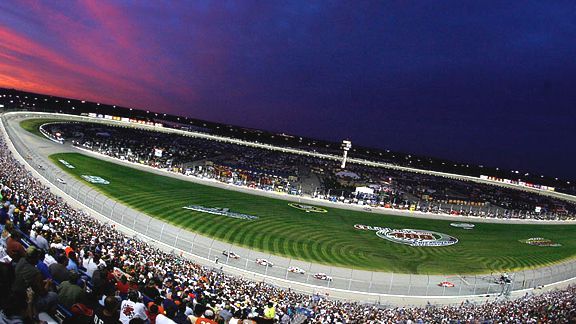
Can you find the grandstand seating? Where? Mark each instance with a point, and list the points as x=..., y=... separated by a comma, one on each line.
x=183, y=288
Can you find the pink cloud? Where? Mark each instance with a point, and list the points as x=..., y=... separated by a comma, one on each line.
x=32, y=66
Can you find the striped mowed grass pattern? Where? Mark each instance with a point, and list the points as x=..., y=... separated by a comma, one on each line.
x=327, y=238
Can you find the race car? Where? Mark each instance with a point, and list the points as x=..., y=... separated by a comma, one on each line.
x=447, y=284
x=296, y=270
x=61, y=181
x=230, y=254
x=322, y=276
x=264, y=262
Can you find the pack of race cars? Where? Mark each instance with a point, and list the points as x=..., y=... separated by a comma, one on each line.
x=267, y=263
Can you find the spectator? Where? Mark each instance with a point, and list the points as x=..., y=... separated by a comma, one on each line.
x=109, y=314
x=19, y=309
x=41, y=241
x=168, y=317
x=70, y=292
x=92, y=263
x=14, y=248
x=3, y=216
x=132, y=308
x=122, y=287
x=225, y=314
x=72, y=261
x=151, y=290
x=58, y=270
x=28, y=276
x=206, y=318
x=42, y=266
x=152, y=313
x=180, y=316
x=270, y=311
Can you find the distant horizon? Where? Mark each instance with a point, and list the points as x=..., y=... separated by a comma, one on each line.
x=486, y=82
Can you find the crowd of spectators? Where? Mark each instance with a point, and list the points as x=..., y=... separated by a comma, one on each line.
x=119, y=271
x=433, y=194
x=273, y=170
x=100, y=275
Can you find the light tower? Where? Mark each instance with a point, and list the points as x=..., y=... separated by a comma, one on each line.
x=346, y=145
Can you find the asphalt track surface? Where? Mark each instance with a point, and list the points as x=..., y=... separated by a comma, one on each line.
x=365, y=286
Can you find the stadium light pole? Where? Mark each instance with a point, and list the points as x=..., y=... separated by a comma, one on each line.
x=346, y=145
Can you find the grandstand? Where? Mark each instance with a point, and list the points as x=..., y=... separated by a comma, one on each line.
x=113, y=265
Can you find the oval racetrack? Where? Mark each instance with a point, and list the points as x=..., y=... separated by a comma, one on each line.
x=374, y=282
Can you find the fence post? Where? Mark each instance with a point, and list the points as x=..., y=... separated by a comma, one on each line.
x=177, y=235
x=112, y=210
x=210, y=250
x=124, y=213
x=86, y=197
x=192, y=247
x=147, y=225
x=391, y=280
x=134, y=225
x=228, y=254
x=94, y=201
x=102, y=207
x=371, y=280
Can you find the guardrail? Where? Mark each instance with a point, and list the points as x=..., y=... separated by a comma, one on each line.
x=371, y=286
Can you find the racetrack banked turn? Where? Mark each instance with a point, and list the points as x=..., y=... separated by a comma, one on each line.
x=340, y=282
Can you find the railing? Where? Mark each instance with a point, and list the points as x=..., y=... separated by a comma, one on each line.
x=205, y=251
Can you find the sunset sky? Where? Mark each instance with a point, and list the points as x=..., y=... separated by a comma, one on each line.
x=487, y=82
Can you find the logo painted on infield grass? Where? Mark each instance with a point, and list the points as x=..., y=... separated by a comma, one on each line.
x=466, y=226
x=540, y=241
x=308, y=208
x=412, y=237
x=95, y=179
x=219, y=211
x=67, y=164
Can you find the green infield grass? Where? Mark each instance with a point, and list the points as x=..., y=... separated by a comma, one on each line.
x=327, y=238
x=33, y=125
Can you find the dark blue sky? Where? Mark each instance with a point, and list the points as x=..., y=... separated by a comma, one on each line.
x=487, y=82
